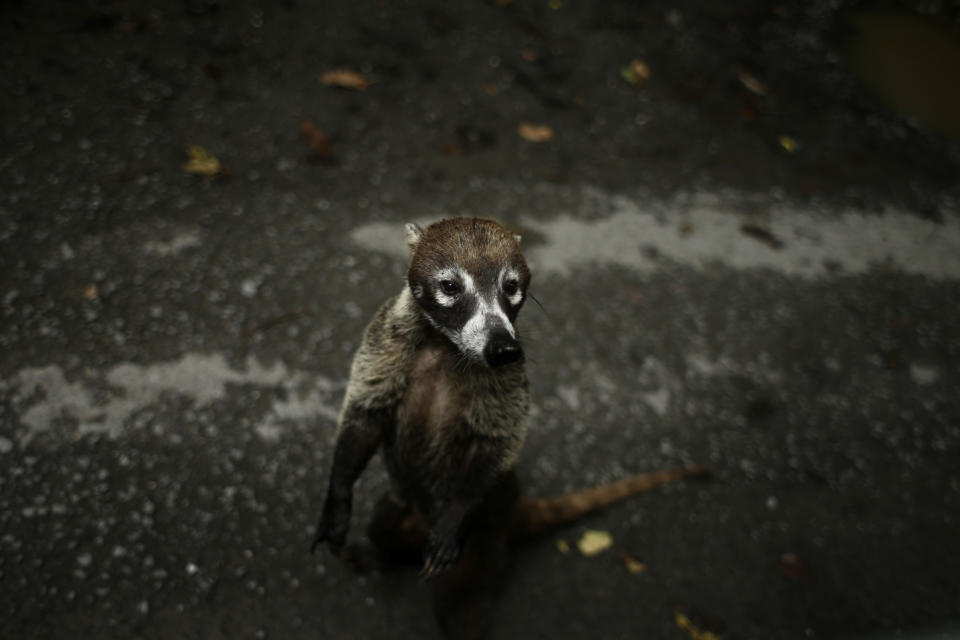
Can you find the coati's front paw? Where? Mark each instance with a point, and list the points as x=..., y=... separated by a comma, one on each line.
x=334, y=539
x=332, y=527
x=442, y=552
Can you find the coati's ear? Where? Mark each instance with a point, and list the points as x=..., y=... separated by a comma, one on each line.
x=517, y=237
x=413, y=235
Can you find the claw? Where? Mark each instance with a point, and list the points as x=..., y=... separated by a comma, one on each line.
x=431, y=569
x=427, y=571
x=436, y=562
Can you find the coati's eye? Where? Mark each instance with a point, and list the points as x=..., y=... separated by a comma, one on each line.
x=510, y=287
x=450, y=287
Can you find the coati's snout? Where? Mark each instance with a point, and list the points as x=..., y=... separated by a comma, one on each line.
x=502, y=348
x=470, y=280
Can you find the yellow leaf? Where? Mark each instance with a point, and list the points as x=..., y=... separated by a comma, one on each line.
x=788, y=143
x=593, y=542
x=632, y=564
x=200, y=162
x=696, y=633
x=636, y=73
x=535, y=132
x=345, y=78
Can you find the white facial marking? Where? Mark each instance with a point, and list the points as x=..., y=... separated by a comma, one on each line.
x=487, y=316
x=467, y=280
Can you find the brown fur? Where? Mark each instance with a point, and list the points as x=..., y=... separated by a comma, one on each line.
x=449, y=428
x=474, y=244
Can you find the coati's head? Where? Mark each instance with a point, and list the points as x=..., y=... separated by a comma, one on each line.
x=470, y=279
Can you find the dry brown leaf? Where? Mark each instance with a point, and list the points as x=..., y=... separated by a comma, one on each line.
x=535, y=132
x=345, y=78
x=201, y=162
x=791, y=566
x=696, y=633
x=752, y=83
x=632, y=565
x=449, y=148
x=636, y=73
x=748, y=107
x=563, y=546
x=90, y=293
x=316, y=139
x=593, y=542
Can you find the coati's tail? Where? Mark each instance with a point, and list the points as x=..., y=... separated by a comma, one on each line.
x=534, y=516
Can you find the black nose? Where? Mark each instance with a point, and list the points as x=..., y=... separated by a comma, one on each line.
x=502, y=348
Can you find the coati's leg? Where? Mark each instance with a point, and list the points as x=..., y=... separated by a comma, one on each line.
x=483, y=476
x=466, y=593
x=397, y=534
x=359, y=436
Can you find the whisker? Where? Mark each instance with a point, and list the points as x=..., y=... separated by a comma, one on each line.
x=534, y=298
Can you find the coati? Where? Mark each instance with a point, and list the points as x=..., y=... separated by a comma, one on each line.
x=438, y=387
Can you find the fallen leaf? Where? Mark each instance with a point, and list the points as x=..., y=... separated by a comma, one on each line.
x=752, y=83
x=90, y=293
x=696, y=633
x=201, y=162
x=593, y=542
x=449, y=148
x=213, y=71
x=788, y=143
x=529, y=55
x=345, y=78
x=686, y=227
x=317, y=139
x=273, y=321
x=632, y=564
x=491, y=88
x=636, y=73
x=535, y=132
x=748, y=107
x=563, y=546
x=792, y=567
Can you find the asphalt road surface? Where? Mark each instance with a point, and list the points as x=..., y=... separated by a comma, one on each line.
x=744, y=227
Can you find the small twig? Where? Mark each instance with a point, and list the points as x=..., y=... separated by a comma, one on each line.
x=273, y=321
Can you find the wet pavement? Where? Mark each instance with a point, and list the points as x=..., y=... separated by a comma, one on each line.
x=748, y=259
